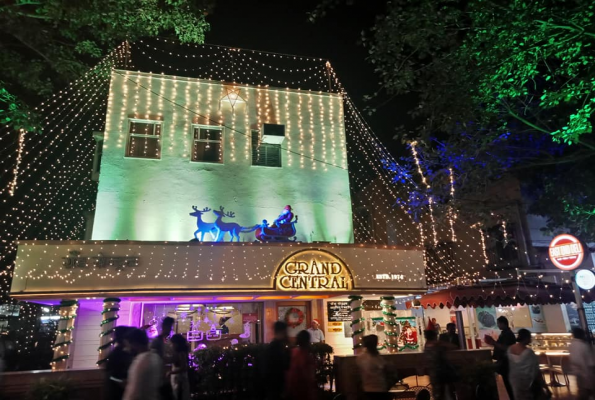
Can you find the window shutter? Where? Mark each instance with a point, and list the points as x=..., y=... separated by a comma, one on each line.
x=264, y=154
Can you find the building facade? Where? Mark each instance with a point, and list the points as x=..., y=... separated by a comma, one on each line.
x=185, y=167
x=172, y=143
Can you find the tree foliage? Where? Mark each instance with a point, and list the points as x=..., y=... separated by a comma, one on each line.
x=503, y=88
x=47, y=43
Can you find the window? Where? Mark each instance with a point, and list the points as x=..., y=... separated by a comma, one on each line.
x=144, y=139
x=208, y=144
x=265, y=154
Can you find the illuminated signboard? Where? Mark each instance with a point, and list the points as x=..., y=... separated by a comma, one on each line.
x=313, y=270
x=566, y=252
x=585, y=279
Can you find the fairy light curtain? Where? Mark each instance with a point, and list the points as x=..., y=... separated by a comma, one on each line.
x=45, y=179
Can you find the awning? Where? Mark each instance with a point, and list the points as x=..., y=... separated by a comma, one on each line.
x=500, y=295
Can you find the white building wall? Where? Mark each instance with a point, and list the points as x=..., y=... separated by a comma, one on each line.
x=124, y=314
x=146, y=199
x=86, y=334
x=555, y=319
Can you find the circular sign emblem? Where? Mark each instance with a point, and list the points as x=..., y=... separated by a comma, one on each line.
x=566, y=252
x=585, y=279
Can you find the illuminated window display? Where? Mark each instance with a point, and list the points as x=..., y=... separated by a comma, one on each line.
x=220, y=324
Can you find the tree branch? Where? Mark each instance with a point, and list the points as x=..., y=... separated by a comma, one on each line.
x=554, y=162
x=567, y=27
x=526, y=122
x=30, y=46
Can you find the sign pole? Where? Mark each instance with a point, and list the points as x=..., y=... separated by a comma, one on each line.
x=566, y=253
x=580, y=308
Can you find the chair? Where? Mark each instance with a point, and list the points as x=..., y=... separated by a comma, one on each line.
x=556, y=367
x=566, y=369
x=413, y=393
x=544, y=364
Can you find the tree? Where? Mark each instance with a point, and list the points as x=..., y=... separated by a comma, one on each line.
x=503, y=88
x=47, y=43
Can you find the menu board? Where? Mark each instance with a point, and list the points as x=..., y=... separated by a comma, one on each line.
x=338, y=311
x=590, y=313
x=372, y=305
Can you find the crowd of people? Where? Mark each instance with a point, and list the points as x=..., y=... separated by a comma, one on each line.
x=519, y=366
x=291, y=373
x=515, y=361
x=139, y=369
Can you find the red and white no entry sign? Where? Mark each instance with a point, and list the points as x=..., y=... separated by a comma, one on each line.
x=566, y=252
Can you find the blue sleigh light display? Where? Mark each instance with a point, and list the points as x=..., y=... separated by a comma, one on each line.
x=282, y=229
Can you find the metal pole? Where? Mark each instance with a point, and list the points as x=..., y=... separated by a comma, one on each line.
x=582, y=316
x=461, y=329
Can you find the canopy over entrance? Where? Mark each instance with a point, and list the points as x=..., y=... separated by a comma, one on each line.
x=500, y=295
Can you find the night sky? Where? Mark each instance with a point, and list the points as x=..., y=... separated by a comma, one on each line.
x=283, y=27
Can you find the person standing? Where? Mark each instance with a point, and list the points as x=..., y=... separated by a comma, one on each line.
x=316, y=334
x=163, y=348
x=525, y=378
x=451, y=335
x=276, y=362
x=582, y=364
x=373, y=370
x=437, y=327
x=301, y=377
x=179, y=368
x=505, y=340
x=443, y=374
x=145, y=376
x=160, y=344
x=118, y=362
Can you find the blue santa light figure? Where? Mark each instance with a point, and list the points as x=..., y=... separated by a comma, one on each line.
x=285, y=217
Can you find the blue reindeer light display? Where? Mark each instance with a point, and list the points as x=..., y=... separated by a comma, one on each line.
x=203, y=227
x=282, y=230
x=232, y=228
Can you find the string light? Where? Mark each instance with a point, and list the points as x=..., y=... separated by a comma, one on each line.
x=54, y=186
x=13, y=183
x=111, y=308
x=391, y=342
x=64, y=337
x=452, y=216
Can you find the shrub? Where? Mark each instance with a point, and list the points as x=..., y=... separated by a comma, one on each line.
x=236, y=372
x=50, y=389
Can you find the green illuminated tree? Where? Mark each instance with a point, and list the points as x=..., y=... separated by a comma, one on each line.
x=47, y=43
x=503, y=87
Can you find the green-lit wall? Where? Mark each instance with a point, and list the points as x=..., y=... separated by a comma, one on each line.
x=144, y=199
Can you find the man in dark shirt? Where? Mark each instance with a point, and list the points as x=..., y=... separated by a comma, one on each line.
x=451, y=335
x=160, y=344
x=117, y=365
x=162, y=347
x=277, y=363
x=501, y=345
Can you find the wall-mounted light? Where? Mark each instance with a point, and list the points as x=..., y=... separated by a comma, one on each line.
x=232, y=96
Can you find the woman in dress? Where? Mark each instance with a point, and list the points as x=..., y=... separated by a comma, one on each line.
x=525, y=378
x=179, y=369
x=301, y=377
